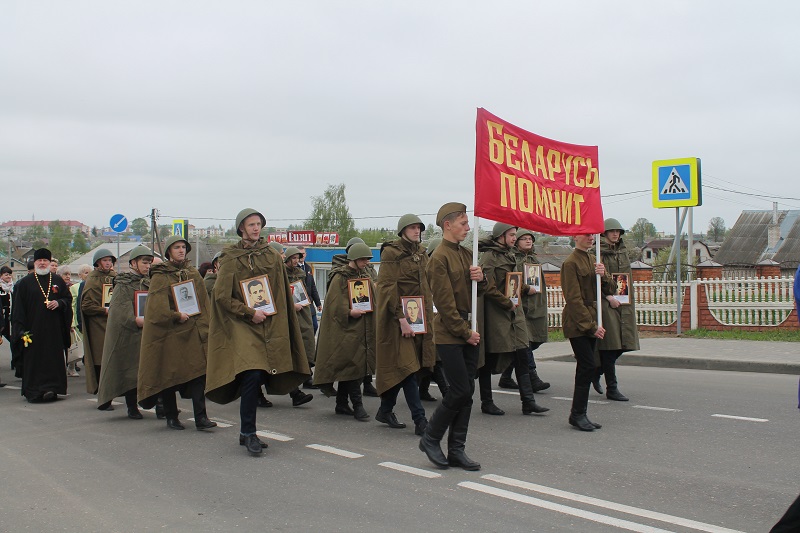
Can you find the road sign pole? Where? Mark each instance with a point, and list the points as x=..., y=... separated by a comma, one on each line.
x=678, y=296
x=690, y=245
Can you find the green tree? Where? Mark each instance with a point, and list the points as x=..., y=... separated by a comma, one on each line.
x=95, y=231
x=164, y=231
x=373, y=236
x=329, y=212
x=641, y=231
x=59, y=240
x=660, y=265
x=716, y=229
x=140, y=227
x=79, y=243
x=35, y=233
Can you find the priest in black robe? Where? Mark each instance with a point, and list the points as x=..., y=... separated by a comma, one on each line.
x=42, y=314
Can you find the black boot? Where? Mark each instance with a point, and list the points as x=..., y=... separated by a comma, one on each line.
x=537, y=383
x=431, y=440
x=342, y=407
x=610, y=370
x=369, y=390
x=440, y=379
x=577, y=415
x=420, y=425
x=529, y=404
x=596, y=381
x=133, y=409
x=506, y=381
x=299, y=397
x=485, y=387
x=424, y=393
x=358, y=405
x=457, y=440
x=160, y=408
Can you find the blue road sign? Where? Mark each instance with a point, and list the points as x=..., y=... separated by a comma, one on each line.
x=677, y=183
x=119, y=223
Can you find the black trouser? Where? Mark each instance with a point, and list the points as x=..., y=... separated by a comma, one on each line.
x=196, y=388
x=608, y=366
x=460, y=365
x=583, y=348
x=250, y=382
x=485, y=376
x=531, y=362
x=130, y=399
x=410, y=391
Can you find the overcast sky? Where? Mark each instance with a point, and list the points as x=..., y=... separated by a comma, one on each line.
x=202, y=108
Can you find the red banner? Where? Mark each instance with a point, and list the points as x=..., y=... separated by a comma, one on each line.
x=305, y=238
x=533, y=182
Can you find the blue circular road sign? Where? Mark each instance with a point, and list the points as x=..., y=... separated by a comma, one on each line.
x=119, y=223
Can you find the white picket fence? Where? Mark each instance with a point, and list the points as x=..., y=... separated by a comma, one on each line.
x=733, y=302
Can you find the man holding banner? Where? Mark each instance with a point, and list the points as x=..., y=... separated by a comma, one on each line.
x=529, y=181
x=449, y=269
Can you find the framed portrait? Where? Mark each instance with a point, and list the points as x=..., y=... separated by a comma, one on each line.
x=108, y=290
x=185, y=297
x=533, y=276
x=623, y=292
x=257, y=294
x=299, y=293
x=139, y=301
x=414, y=309
x=360, y=294
x=513, y=286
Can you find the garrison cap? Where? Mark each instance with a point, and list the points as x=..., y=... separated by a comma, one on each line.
x=448, y=209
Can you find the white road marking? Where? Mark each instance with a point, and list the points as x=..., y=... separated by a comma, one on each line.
x=666, y=409
x=598, y=402
x=95, y=401
x=747, y=418
x=14, y=387
x=544, y=504
x=219, y=423
x=505, y=392
x=410, y=470
x=334, y=451
x=644, y=513
x=274, y=436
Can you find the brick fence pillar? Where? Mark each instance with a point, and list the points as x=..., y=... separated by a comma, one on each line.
x=768, y=269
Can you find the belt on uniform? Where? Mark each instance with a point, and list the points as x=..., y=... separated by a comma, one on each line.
x=464, y=315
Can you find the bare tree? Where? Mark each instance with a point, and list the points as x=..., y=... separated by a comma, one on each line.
x=716, y=229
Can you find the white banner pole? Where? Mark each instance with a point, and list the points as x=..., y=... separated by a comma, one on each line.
x=474, y=314
x=599, y=295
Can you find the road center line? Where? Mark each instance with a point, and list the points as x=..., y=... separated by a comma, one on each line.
x=95, y=401
x=505, y=392
x=334, y=451
x=572, y=511
x=274, y=436
x=643, y=513
x=220, y=423
x=747, y=418
x=651, y=408
x=410, y=470
x=598, y=402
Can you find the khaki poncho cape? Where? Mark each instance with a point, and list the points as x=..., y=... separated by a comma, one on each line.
x=94, y=323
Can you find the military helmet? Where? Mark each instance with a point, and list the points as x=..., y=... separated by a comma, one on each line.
x=243, y=214
x=353, y=241
x=275, y=245
x=172, y=240
x=406, y=220
x=613, y=223
x=431, y=245
x=140, y=251
x=500, y=228
x=359, y=250
x=216, y=257
x=290, y=251
x=101, y=253
x=522, y=232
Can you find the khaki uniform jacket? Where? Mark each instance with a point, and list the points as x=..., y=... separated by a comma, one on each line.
x=120, y=369
x=304, y=315
x=535, y=305
x=579, y=318
x=346, y=345
x=448, y=275
x=504, y=325
x=619, y=323
x=402, y=273
x=209, y=280
x=172, y=353
x=237, y=344
x=94, y=323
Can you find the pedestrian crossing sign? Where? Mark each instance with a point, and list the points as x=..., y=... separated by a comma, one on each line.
x=676, y=183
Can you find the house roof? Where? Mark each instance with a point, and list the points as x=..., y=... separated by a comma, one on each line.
x=555, y=254
x=30, y=223
x=746, y=242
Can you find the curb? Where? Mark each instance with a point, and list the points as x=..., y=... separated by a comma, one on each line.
x=693, y=363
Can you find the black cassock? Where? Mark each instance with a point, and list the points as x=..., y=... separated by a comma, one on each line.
x=42, y=365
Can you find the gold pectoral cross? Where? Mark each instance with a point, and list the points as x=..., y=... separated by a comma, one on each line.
x=46, y=301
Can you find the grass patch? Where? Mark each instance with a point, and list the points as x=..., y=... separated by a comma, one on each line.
x=774, y=335
x=555, y=335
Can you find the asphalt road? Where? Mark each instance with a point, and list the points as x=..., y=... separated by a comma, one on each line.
x=663, y=461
